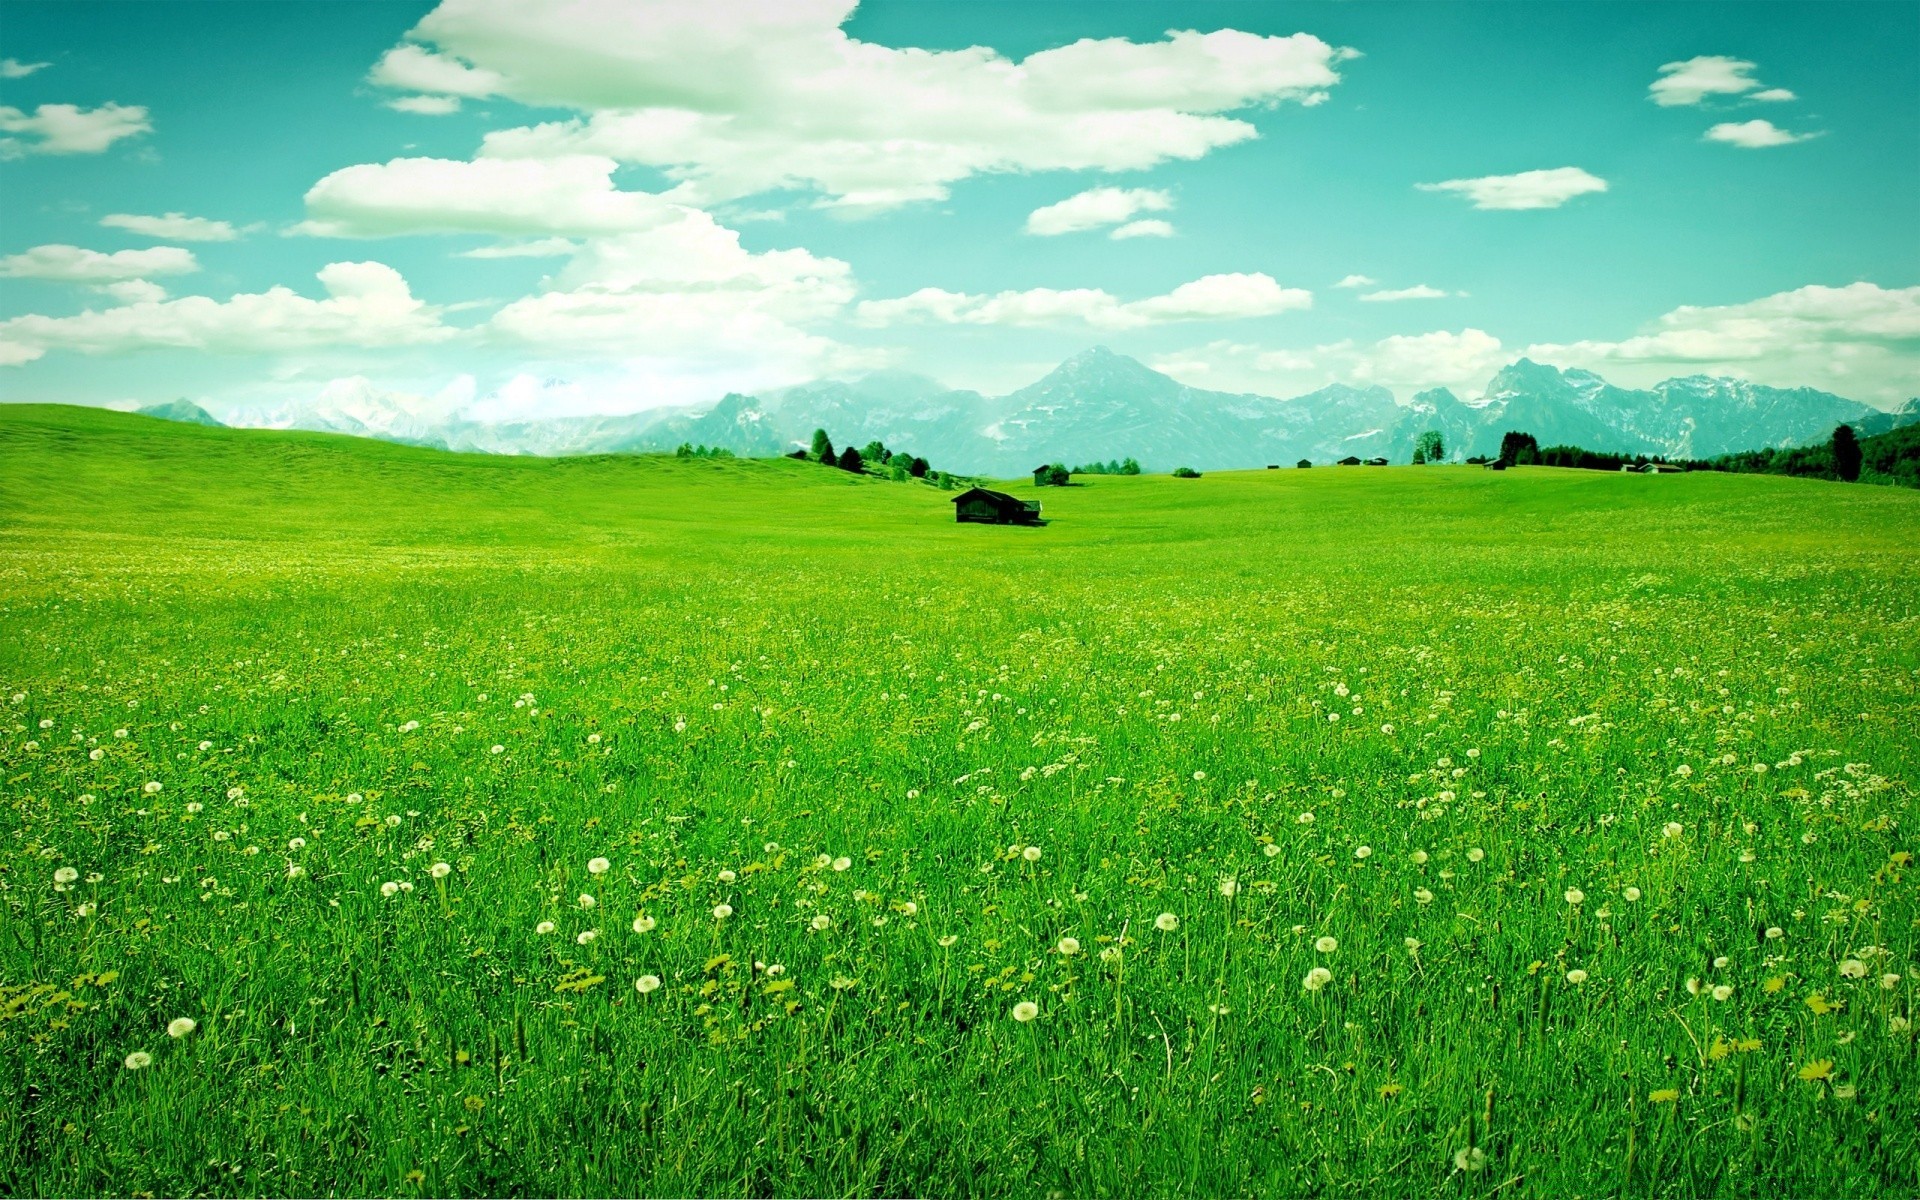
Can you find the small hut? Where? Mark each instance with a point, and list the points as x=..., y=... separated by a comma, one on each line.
x=994, y=508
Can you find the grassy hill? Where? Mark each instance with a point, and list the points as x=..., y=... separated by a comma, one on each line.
x=1395, y=831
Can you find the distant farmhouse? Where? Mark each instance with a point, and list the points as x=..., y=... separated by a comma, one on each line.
x=994, y=508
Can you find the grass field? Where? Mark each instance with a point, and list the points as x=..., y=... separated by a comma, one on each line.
x=1405, y=831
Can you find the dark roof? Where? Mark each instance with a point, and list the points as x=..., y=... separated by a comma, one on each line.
x=985, y=494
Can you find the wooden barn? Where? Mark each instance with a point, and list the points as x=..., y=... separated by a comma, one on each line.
x=994, y=508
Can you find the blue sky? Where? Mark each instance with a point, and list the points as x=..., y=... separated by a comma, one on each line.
x=738, y=195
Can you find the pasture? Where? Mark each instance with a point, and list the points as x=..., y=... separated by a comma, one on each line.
x=642, y=826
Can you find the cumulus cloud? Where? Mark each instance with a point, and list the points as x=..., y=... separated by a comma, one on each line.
x=1773, y=95
x=1098, y=208
x=173, y=226
x=69, y=129
x=1356, y=281
x=735, y=97
x=1418, y=291
x=1693, y=80
x=13, y=68
x=1528, y=189
x=687, y=296
x=72, y=264
x=1754, y=135
x=1210, y=298
x=414, y=69
x=367, y=304
x=570, y=195
x=1138, y=229
x=1461, y=360
x=554, y=247
x=1860, y=340
x=426, y=106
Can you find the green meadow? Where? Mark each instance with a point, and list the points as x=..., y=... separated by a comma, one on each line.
x=386, y=821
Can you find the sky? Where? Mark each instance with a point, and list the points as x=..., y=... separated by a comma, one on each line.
x=522, y=210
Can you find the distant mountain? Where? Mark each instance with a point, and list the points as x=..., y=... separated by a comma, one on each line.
x=1099, y=405
x=184, y=411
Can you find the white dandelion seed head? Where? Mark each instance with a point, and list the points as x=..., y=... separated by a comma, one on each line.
x=1469, y=1158
x=643, y=924
x=1419, y=858
x=722, y=911
x=1576, y=976
x=1672, y=829
x=180, y=1027
x=1363, y=852
x=295, y=870
x=1031, y=854
x=1722, y=992
x=585, y=936
x=544, y=928
x=152, y=787
x=598, y=866
x=65, y=875
x=726, y=876
x=1574, y=896
x=1423, y=896
x=1775, y=933
x=1068, y=946
x=1632, y=894
x=389, y=889
x=138, y=1060
x=1316, y=979
x=1025, y=1011
x=586, y=900
x=298, y=843
x=1166, y=922
x=842, y=863
x=440, y=870
x=1305, y=818
x=646, y=983
x=1326, y=944
x=1229, y=887
x=1853, y=968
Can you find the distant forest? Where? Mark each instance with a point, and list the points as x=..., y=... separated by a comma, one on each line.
x=1885, y=458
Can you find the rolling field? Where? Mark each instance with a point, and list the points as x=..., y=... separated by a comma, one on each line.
x=621, y=826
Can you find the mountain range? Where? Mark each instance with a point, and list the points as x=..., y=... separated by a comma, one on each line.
x=1099, y=405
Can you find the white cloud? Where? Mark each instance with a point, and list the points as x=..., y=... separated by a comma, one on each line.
x=173, y=226
x=413, y=69
x=75, y=265
x=13, y=68
x=554, y=247
x=1356, y=281
x=69, y=129
x=1211, y=298
x=1691, y=81
x=1097, y=208
x=573, y=195
x=1860, y=340
x=425, y=106
x=134, y=291
x=368, y=304
x=1404, y=363
x=686, y=296
x=1754, y=135
x=1461, y=361
x=735, y=97
x=1138, y=229
x=1528, y=189
x=1419, y=291
x=1773, y=95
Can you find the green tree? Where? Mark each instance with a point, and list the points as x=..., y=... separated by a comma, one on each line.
x=874, y=451
x=1846, y=453
x=1430, y=447
x=850, y=460
x=823, y=447
x=1419, y=456
x=1518, y=448
x=918, y=468
x=1130, y=466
